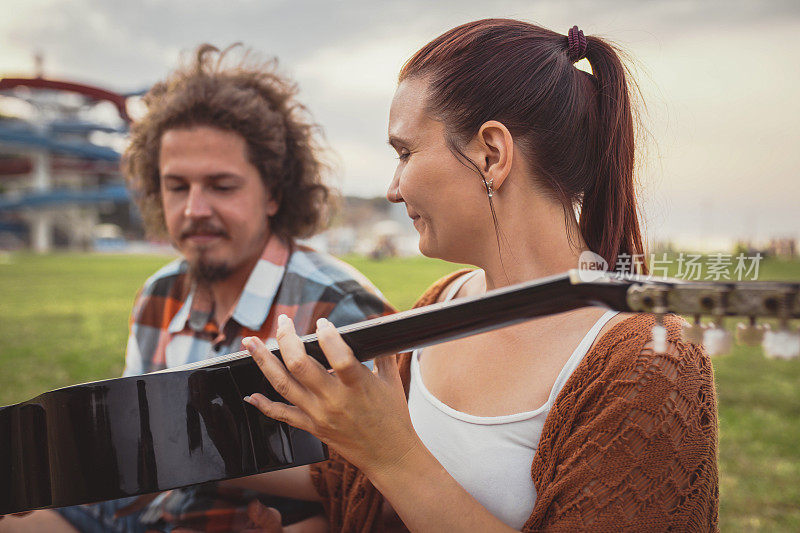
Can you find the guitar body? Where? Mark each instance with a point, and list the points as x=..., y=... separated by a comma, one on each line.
x=135, y=435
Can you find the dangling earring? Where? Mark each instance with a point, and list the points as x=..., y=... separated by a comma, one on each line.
x=489, y=189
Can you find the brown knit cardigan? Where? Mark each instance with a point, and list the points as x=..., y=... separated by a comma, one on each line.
x=629, y=445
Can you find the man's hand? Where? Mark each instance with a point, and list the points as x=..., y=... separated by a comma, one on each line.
x=264, y=519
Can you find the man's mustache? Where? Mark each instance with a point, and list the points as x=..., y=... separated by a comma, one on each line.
x=202, y=228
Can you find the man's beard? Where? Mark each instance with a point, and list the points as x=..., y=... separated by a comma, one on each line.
x=206, y=272
x=202, y=269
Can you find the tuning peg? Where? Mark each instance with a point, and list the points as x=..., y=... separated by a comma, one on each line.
x=782, y=344
x=659, y=335
x=717, y=340
x=693, y=332
x=659, y=331
x=794, y=345
x=751, y=334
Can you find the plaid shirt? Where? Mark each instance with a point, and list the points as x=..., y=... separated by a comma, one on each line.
x=172, y=320
x=172, y=324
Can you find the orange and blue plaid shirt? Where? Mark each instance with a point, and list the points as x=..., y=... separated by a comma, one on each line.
x=172, y=320
x=172, y=324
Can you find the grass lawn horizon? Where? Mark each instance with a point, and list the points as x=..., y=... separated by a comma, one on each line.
x=64, y=320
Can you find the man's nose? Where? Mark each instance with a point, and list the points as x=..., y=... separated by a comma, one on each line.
x=197, y=205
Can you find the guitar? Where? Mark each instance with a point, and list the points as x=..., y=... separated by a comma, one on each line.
x=180, y=426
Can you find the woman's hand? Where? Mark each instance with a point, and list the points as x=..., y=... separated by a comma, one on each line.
x=364, y=416
x=361, y=414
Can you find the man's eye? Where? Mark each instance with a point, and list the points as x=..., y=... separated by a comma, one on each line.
x=177, y=188
x=224, y=188
x=402, y=156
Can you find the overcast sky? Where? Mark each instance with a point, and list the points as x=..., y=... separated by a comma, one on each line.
x=719, y=78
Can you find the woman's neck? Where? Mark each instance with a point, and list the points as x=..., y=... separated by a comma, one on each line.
x=542, y=240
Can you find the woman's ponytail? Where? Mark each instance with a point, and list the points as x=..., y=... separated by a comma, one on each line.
x=609, y=219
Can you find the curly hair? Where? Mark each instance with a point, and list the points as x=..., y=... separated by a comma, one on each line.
x=251, y=99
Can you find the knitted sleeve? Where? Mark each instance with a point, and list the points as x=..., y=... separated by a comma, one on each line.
x=631, y=444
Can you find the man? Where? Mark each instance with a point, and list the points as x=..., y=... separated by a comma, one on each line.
x=225, y=165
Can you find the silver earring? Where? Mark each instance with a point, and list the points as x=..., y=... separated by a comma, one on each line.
x=489, y=189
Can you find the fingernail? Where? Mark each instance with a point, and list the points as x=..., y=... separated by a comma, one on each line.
x=323, y=323
x=251, y=344
x=247, y=399
x=283, y=321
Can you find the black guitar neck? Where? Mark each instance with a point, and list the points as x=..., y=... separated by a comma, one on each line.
x=452, y=320
x=446, y=321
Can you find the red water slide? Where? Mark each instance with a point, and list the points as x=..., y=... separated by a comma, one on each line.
x=95, y=93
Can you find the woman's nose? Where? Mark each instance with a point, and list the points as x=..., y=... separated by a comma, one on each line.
x=393, y=192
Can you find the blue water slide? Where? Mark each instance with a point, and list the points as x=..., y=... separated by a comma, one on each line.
x=61, y=197
x=79, y=126
x=15, y=135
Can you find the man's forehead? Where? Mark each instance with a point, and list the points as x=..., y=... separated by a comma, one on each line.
x=203, y=153
x=201, y=137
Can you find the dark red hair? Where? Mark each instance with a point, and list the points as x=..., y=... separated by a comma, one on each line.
x=576, y=128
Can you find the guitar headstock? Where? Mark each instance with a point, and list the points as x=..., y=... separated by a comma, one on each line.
x=779, y=301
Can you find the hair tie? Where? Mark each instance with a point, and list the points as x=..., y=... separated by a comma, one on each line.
x=577, y=44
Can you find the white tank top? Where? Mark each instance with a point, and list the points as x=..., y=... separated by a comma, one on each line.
x=490, y=456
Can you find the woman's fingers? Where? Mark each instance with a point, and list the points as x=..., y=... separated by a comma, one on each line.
x=387, y=368
x=294, y=416
x=281, y=379
x=348, y=369
x=303, y=368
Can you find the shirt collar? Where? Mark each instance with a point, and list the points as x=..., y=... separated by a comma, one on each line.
x=256, y=299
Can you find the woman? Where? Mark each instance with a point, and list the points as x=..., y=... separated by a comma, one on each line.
x=566, y=422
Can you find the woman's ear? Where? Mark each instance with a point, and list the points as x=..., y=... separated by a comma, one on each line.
x=495, y=145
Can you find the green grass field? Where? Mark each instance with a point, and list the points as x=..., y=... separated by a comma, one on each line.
x=63, y=320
